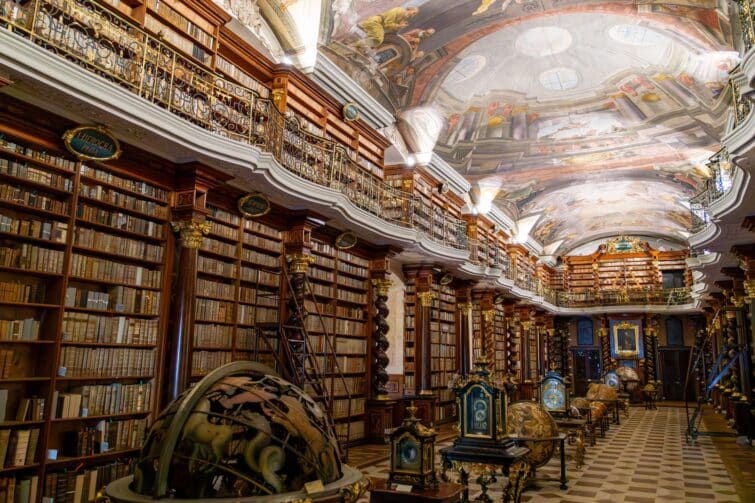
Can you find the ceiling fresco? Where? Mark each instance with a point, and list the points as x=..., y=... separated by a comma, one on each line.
x=585, y=117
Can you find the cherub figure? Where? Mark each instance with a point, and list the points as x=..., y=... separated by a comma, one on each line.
x=390, y=21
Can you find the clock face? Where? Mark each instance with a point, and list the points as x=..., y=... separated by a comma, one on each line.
x=553, y=399
x=408, y=454
x=612, y=380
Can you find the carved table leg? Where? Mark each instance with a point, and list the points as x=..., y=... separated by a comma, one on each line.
x=444, y=466
x=579, y=455
x=464, y=480
x=563, y=463
x=484, y=479
x=518, y=475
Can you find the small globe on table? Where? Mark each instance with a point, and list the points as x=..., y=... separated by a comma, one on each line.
x=530, y=420
x=240, y=434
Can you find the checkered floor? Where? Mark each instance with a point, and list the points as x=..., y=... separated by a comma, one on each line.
x=645, y=459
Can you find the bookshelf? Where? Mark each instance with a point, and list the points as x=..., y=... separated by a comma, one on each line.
x=339, y=280
x=82, y=279
x=238, y=280
x=443, y=350
x=183, y=29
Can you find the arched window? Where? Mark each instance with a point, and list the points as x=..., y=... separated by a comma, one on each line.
x=584, y=332
x=674, y=332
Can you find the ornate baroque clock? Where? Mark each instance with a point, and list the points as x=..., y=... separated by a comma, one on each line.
x=554, y=395
x=612, y=379
x=413, y=453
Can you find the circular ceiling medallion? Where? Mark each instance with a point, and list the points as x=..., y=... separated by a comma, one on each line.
x=633, y=34
x=543, y=41
x=559, y=79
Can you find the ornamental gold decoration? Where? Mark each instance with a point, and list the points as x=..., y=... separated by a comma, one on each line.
x=299, y=263
x=382, y=286
x=355, y=491
x=464, y=307
x=426, y=298
x=488, y=315
x=191, y=232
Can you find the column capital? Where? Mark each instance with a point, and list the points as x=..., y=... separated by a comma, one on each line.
x=299, y=262
x=426, y=298
x=464, y=307
x=381, y=286
x=191, y=232
x=488, y=315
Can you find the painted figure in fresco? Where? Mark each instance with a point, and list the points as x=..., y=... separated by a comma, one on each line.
x=390, y=21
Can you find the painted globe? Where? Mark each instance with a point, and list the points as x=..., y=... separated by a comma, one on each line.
x=627, y=373
x=580, y=402
x=241, y=432
x=601, y=392
x=530, y=419
x=598, y=410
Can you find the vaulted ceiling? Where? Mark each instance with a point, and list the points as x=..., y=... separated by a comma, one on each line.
x=581, y=119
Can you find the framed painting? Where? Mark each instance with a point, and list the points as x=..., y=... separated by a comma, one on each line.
x=626, y=339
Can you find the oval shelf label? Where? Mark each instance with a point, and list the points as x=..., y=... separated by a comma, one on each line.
x=346, y=240
x=93, y=143
x=254, y=205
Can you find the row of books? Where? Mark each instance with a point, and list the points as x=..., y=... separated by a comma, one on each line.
x=181, y=22
x=321, y=274
x=80, y=486
x=246, y=339
x=16, y=291
x=101, y=362
x=86, y=327
x=203, y=362
x=442, y=350
x=260, y=228
x=97, y=400
x=105, y=436
x=442, y=364
x=122, y=299
x=352, y=269
x=249, y=315
x=257, y=276
x=214, y=310
x=31, y=257
x=354, y=259
x=33, y=228
x=11, y=363
x=18, y=447
x=115, y=198
x=19, y=330
x=259, y=258
x=324, y=262
x=341, y=407
x=441, y=379
x=355, y=430
x=352, y=282
x=226, y=216
x=34, y=174
x=84, y=266
x=33, y=199
x=137, y=186
x=214, y=266
x=22, y=490
x=181, y=42
x=219, y=247
x=350, y=312
x=29, y=408
x=90, y=238
x=9, y=145
x=357, y=298
x=119, y=220
x=239, y=75
x=223, y=230
x=206, y=287
x=209, y=335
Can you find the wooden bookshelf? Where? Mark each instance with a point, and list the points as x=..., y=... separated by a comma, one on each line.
x=443, y=350
x=83, y=250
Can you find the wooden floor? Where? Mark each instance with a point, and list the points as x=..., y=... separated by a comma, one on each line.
x=645, y=459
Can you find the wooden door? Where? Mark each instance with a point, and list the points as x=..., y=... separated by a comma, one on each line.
x=674, y=363
x=586, y=369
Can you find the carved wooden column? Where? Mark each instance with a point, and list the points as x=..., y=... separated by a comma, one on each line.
x=650, y=341
x=463, y=334
x=424, y=397
x=605, y=346
x=487, y=326
x=298, y=246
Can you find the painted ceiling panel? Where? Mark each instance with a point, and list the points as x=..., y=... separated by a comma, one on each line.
x=587, y=116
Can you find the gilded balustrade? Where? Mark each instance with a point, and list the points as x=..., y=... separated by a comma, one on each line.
x=747, y=22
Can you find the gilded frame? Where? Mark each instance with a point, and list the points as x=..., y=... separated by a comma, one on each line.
x=69, y=136
x=626, y=339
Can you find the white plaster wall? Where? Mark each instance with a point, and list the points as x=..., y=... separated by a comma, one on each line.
x=396, y=323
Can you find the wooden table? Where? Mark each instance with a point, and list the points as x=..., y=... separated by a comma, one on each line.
x=446, y=492
x=486, y=461
x=615, y=407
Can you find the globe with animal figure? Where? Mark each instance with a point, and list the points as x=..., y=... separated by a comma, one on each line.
x=242, y=432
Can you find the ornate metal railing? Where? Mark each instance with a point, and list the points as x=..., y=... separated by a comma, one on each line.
x=721, y=169
x=742, y=105
x=105, y=43
x=624, y=296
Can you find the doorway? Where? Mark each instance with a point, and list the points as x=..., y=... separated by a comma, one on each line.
x=674, y=363
x=586, y=369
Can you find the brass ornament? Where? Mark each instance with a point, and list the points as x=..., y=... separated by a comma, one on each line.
x=381, y=286
x=355, y=491
x=426, y=298
x=488, y=315
x=299, y=263
x=191, y=232
x=464, y=307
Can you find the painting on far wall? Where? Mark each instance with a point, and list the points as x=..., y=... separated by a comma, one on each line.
x=626, y=339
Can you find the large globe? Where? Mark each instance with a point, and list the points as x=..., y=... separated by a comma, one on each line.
x=241, y=432
x=531, y=420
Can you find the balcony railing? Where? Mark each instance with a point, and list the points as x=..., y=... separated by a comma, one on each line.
x=624, y=296
x=105, y=43
x=747, y=22
x=715, y=187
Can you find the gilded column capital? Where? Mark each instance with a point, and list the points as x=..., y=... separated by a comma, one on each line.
x=191, y=232
x=426, y=298
x=299, y=263
x=750, y=288
x=464, y=307
x=526, y=325
x=488, y=315
x=603, y=332
x=381, y=286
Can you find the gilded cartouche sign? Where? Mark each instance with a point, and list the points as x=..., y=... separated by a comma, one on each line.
x=92, y=143
x=254, y=205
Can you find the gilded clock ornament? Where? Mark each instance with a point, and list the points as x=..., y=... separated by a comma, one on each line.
x=412, y=453
x=554, y=394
